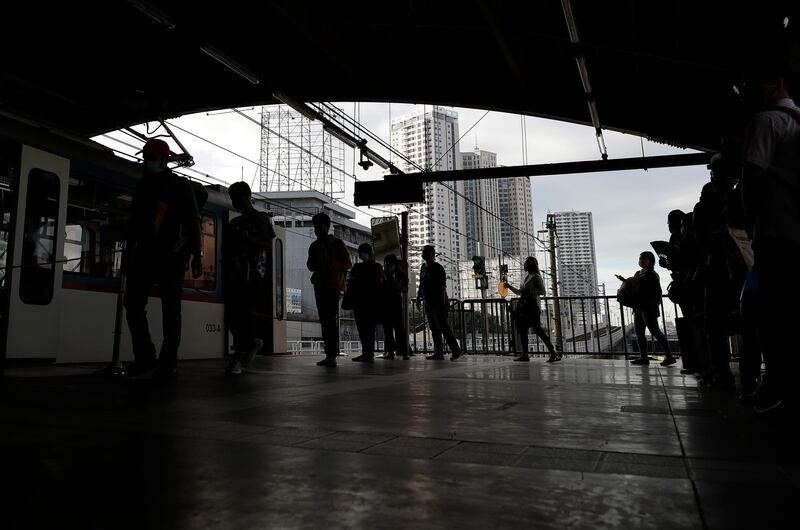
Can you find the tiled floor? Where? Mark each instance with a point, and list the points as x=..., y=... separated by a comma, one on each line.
x=478, y=443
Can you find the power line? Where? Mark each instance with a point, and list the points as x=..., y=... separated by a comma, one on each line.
x=408, y=160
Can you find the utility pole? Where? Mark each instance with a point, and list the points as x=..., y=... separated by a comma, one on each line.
x=551, y=232
x=404, y=252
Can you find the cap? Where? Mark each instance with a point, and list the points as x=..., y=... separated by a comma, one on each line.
x=156, y=147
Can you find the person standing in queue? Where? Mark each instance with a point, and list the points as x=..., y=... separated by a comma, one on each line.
x=328, y=261
x=365, y=287
x=394, y=326
x=528, y=312
x=164, y=233
x=646, y=312
x=247, y=240
x=433, y=291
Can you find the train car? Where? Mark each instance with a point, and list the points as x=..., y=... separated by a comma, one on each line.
x=64, y=205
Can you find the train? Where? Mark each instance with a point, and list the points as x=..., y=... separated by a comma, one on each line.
x=64, y=208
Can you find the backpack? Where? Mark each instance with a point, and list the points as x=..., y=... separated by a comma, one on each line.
x=628, y=292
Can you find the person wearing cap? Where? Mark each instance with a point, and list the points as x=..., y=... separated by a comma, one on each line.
x=433, y=291
x=365, y=287
x=164, y=233
x=328, y=261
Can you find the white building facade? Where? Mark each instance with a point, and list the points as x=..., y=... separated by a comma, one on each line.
x=483, y=213
x=516, y=207
x=428, y=139
x=577, y=259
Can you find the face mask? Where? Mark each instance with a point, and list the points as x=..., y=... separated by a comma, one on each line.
x=363, y=255
x=152, y=166
x=390, y=268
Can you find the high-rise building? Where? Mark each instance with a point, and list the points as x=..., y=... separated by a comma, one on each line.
x=482, y=223
x=428, y=138
x=577, y=260
x=516, y=207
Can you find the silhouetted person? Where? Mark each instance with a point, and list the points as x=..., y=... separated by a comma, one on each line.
x=528, y=313
x=365, y=286
x=164, y=233
x=681, y=265
x=720, y=301
x=394, y=327
x=770, y=191
x=328, y=261
x=646, y=310
x=433, y=292
x=246, y=242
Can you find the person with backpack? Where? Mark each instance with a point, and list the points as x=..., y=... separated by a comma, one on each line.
x=164, y=233
x=528, y=311
x=770, y=188
x=328, y=261
x=365, y=287
x=642, y=292
x=246, y=241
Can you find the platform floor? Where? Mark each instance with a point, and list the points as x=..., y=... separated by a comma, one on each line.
x=479, y=443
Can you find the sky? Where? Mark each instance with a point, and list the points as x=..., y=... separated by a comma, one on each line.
x=629, y=207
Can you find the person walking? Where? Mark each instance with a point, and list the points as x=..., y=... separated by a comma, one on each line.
x=433, y=291
x=247, y=240
x=365, y=287
x=164, y=233
x=646, y=309
x=528, y=312
x=328, y=261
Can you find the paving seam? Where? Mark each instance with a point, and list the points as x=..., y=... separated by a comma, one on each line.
x=689, y=473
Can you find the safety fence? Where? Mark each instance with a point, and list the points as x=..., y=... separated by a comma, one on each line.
x=590, y=326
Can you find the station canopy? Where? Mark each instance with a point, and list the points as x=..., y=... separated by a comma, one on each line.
x=664, y=70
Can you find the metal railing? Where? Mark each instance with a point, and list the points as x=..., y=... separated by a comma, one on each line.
x=591, y=326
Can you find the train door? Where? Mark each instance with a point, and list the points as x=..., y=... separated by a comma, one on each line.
x=34, y=289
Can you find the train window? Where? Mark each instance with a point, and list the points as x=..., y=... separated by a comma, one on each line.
x=97, y=214
x=208, y=234
x=37, y=275
x=278, y=264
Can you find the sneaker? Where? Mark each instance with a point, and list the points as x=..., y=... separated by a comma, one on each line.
x=435, y=357
x=387, y=356
x=456, y=355
x=250, y=354
x=234, y=368
x=668, y=361
x=328, y=361
x=140, y=367
x=643, y=362
x=522, y=358
x=363, y=359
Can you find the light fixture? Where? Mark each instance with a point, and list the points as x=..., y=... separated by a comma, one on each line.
x=230, y=63
x=365, y=164
x=375, y=157
x=153, y=12
x=340, y=135
x=302, y=108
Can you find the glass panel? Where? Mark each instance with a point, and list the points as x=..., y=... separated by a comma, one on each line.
x=208, y=244
x=278, y=264
x=37, y=275
x=97, y=214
